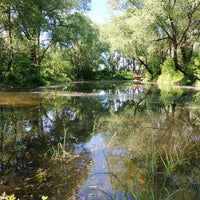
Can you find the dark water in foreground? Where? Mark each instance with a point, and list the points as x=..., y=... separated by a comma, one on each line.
x=101, y=140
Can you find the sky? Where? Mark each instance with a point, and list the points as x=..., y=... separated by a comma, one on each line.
x=99, y=13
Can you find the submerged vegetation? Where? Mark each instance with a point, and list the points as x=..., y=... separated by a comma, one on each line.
x=162, y=160
x=112, y=141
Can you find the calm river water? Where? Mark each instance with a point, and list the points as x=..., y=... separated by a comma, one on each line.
x=100, y=140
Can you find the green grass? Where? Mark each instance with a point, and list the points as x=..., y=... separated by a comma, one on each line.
x=163, y=174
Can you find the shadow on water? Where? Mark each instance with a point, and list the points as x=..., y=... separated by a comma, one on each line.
x=101, y=140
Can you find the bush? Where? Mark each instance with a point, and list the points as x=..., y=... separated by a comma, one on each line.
x=154, y=65
x=169, y=74
x=23, y=73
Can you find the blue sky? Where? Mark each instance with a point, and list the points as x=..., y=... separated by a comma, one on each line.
x=98, y=12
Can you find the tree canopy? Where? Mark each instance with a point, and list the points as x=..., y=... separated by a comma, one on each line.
x=153, y=31
x=53, y=41
x=29, y=29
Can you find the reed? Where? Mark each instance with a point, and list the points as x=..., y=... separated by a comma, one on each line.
x=162, y=174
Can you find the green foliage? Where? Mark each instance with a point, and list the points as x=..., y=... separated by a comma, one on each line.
x=153, y=32
x=107, y=74
x=194, y=65
x=169, y=94
x=194, y=68
x=123, y=75
x=162, y=30
x=2, y=56
x=25, y=27
x=23, y=73
x=55, y=69
x=103, y=74
x=41, y=175
x=4, y=196
x=155, y=68
x=81, y=44
x=169, y=74
x=60, y=152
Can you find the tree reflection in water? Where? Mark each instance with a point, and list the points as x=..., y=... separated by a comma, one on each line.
x=110, y=141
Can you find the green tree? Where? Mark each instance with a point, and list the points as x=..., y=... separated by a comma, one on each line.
x=36, y=17
x=79, y=39
x=161, y=29
x=127, y=35
x=6, y=33
x=24, y=23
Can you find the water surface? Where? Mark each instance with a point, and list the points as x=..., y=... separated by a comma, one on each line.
x=100, y=140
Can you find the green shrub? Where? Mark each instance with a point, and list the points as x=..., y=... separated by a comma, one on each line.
x=169, y=74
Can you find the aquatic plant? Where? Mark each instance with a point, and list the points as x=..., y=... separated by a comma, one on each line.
x=151, y=169
x=5, y=196
x=60, y=152
x=41, y=175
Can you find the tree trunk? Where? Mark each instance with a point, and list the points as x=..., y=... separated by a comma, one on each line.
x=187, y=49
x=178, y=67
x=34, y=51
x=146, y=66
x=10, y=40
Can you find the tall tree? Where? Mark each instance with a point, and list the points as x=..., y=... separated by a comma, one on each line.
x=6, y=31
x=36, y=17
x=79, y=39
x=172, y=23
x=27, y=21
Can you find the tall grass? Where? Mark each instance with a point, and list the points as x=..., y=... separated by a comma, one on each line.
x=60, y=152
x=163, y=174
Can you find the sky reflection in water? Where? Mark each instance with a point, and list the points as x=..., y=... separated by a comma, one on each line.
x=107, y=128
